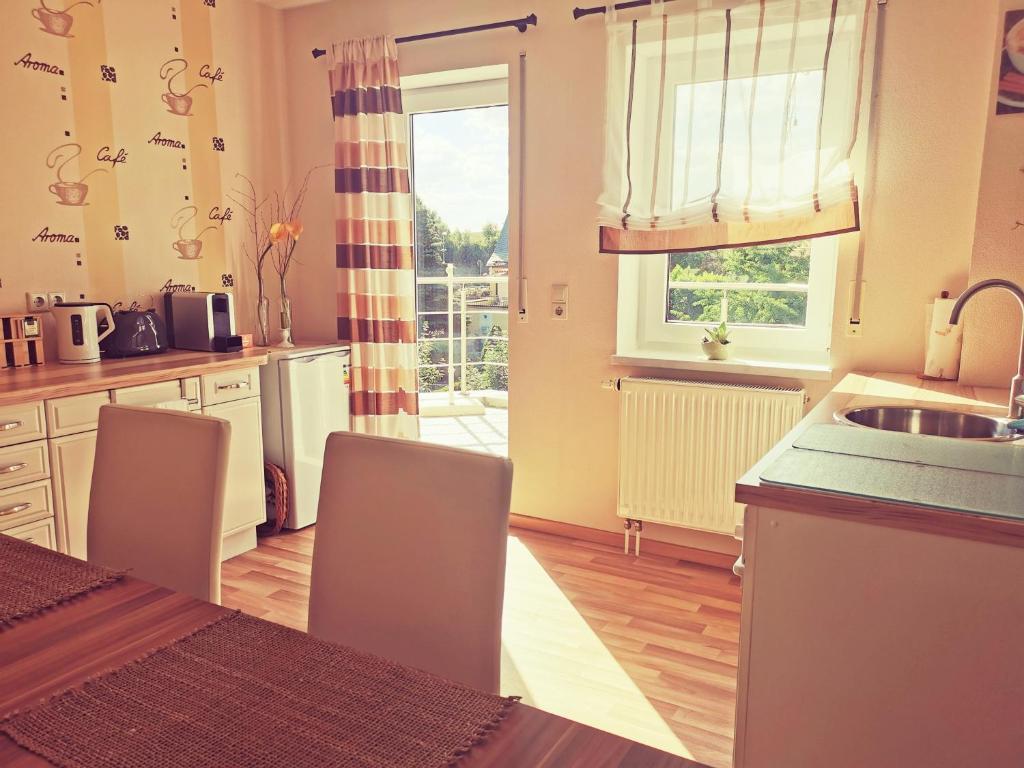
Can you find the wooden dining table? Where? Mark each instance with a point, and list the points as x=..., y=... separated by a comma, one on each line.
x=64, y=646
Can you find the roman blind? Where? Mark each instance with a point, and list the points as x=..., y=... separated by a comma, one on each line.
x=731, y=126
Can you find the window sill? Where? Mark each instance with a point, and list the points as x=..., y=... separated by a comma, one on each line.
x=749, y=367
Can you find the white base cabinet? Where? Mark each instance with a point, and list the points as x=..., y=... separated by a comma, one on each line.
x=45, y=483
x=863, y=644
x=71, y=461
x=39, y=533
x=244, y=497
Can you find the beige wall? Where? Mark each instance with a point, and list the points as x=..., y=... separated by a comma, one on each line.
x=992, y=336
x=144, y=192
x=934, y=130
x=932, y=104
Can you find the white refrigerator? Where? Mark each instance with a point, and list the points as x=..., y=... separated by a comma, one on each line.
x=305, y=398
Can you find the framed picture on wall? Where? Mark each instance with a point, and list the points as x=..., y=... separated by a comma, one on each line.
x=1010, y=96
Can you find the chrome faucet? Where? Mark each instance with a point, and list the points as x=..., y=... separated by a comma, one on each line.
x=1016, y=409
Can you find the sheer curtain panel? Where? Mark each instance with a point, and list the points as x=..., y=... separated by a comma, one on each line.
x=731, y=126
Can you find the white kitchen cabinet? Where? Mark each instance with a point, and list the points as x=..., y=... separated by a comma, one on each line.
x=866, y=644
x=25, y=504
x=244, y=497
x=40, y=533
x=26, y=463
x=71, y=460
x=22, y=423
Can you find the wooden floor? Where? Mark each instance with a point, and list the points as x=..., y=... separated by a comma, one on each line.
x=645, y=648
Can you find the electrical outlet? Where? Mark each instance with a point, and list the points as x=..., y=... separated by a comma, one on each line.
x=854, y=329
x=36, y=302
x=560, y=301
x=55, y=297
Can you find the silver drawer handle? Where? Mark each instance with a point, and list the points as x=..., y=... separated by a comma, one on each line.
x=13, y=468
x=15, y=508
x=7, y=426
x=236, y=385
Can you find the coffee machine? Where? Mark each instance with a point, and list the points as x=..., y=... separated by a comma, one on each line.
x=204, y=322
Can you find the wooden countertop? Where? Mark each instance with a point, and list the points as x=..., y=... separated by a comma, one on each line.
x=865, y=389
x=65, y=645
x=20, y=385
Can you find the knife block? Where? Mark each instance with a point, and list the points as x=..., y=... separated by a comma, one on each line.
x=21, y=341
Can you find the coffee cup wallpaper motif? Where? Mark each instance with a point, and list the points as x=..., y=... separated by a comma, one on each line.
x=57, y=21
x=68, y=191
x=178, y=103
x=94, y=159
x=188, y=248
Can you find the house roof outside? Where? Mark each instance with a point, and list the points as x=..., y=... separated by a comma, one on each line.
x=500, y=254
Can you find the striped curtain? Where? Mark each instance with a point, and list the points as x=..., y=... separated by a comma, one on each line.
x=732, y=126
x=373, y=236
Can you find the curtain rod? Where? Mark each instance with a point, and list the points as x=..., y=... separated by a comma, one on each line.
x=520, y=24
x=579, y=13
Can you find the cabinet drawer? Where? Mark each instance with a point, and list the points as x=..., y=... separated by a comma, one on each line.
x=190, y=390
x=225, y=386
x=148, y=394
x=24, y=504
x=21, y=423
x=21, y=464
x=39, y=533
x=69, y=415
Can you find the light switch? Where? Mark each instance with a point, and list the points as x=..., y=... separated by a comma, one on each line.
x=559, y=301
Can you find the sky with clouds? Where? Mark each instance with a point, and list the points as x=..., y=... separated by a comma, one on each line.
x=460, y=165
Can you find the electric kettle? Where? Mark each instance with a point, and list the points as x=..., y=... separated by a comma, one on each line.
x=81, y=326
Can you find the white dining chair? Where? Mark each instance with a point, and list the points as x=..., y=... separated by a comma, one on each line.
x=157, y=497
x=409, y=555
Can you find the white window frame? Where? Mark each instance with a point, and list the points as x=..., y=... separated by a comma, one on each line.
x=644, y=330
x=455, y=89
x=645, y=336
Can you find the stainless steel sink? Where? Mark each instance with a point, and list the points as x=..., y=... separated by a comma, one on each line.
x=930, y=421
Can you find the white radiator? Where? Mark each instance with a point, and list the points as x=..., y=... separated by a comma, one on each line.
x=684, y=444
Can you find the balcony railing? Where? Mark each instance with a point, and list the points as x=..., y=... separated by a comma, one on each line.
x=464, y=316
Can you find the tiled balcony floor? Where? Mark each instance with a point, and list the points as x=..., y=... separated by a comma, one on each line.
x=488, y=433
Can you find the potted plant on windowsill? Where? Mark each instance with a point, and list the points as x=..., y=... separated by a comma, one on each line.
x=715, y=343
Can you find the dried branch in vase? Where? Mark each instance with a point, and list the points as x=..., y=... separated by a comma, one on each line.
x=259, y=230
x=285, y=233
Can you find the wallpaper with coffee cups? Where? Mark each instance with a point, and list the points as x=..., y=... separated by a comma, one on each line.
x=125, y=124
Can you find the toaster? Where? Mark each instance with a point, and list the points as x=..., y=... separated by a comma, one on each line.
x=135, y=333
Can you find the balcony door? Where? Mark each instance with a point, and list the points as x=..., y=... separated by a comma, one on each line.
x=459, y=150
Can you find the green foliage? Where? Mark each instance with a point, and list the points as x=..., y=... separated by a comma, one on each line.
x=488, y=375
x=431, y=379
x=719, y=334
x=431, y=240
x=780, y=263
x=437, y=245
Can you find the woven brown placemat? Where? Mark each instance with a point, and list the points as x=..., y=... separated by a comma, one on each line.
x=33, y=578
x=246, y=692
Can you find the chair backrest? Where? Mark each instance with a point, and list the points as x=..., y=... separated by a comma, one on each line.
x=157, y=497
x=409, y=555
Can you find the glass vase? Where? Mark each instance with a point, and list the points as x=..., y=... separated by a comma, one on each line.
x=286, y=322
x=263, y=320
